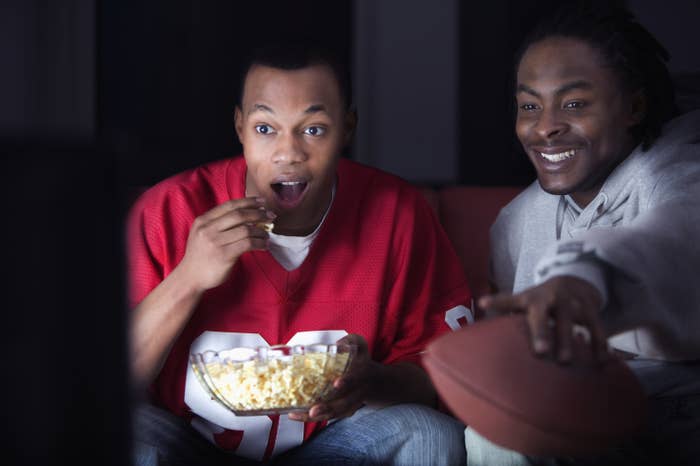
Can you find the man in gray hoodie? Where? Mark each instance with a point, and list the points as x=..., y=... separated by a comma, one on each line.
x=608, y=237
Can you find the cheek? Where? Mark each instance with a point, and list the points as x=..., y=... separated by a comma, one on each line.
x=522, y=128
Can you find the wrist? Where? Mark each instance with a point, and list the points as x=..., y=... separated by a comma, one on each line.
x=184, y=284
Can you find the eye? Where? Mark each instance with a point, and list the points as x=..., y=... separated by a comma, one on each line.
x=574, y=105
x=527, y=107
x=315, y=130
x=264, y=129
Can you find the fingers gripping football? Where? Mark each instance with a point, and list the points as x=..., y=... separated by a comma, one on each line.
x=553, y=309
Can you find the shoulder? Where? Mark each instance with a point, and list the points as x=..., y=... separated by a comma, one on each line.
x=386, y=205
x=515, y=212
x=196, y=189
x=670, y=168
x=177, y=200
x=377, y=187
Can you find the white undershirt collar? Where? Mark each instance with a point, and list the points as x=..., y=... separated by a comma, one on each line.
x=290, y=251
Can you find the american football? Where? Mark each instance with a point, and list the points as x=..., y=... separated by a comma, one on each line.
x=488, y=376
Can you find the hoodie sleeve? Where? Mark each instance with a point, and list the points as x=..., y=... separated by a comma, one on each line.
x=649, y=267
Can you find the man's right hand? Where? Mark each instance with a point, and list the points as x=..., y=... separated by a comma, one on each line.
x=219, y=237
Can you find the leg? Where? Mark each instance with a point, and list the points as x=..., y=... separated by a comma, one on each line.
x=396, y=435
x=482, y=452
x=163, y=439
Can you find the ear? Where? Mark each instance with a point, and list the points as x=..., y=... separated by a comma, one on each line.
x=238, y=123
x=350, y=125
x=638, y=107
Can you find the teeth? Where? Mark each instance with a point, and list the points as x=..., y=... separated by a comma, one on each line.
x=289, y=183
x=558, y=157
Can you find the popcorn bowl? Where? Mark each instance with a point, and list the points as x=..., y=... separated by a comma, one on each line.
x=271, y=380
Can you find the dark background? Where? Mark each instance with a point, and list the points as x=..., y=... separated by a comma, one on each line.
x=101, y=98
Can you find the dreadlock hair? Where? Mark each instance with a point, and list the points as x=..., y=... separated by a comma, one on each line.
x=630, y=50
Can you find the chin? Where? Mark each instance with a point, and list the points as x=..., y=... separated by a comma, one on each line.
x=555, y=188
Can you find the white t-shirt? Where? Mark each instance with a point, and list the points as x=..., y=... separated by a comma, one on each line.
x=290, y=251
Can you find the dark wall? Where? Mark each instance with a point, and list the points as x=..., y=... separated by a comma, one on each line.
x=170, y=73
x=490, y=35
x=65, y=384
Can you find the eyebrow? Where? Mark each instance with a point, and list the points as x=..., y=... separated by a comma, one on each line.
x=580, y=84
x=260, y=108
x=315, y=108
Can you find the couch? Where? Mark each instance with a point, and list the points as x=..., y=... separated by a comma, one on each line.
x=467, y=213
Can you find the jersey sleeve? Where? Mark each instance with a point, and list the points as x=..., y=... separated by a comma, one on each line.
x=144, y=268
x=429, y=281
x=157, y=229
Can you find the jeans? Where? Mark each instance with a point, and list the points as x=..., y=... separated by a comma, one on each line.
x=396, y=435
x=672, y=438
x=163, y=439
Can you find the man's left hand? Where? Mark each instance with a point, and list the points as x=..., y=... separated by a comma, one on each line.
x=351, y=390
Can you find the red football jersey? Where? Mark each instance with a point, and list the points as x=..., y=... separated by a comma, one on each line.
x=381, y=267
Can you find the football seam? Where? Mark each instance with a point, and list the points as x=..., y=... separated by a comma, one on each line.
x=545, y=429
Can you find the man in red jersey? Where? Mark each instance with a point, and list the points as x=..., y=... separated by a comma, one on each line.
x=355, y=254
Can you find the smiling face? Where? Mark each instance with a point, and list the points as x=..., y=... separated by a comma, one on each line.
x=292, y=125
x=573, y=116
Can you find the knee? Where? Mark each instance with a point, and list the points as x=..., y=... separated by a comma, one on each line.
x=430, y=437
x=482, y=452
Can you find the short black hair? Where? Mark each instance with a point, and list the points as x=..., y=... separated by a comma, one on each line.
x=627, y=47
x=297, y=55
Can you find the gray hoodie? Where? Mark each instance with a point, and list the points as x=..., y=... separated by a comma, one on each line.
x=638, y=242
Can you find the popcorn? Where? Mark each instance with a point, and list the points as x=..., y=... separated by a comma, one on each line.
x=265, y=226
x=288, y=382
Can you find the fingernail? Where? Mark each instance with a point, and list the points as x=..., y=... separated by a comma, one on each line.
x=260, y=200
x=271, y=215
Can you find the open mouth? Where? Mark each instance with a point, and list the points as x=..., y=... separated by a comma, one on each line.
x=289, y=193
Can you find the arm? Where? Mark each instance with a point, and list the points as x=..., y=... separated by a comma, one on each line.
x=215, y=242
x=638, y=277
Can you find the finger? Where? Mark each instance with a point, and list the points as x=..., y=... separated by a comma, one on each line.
x=237, y=217
x=599, y=341
x=357, y=340
x=239, y=233
x=502, y=302
x=338, y=407
x=319, y=412
x=237, y=248
x=540, y=333
x=233, y=204
x=298, y=416
x=565, y=337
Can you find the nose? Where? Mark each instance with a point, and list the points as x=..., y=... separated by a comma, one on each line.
x=289, y=149
x=550, y=124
